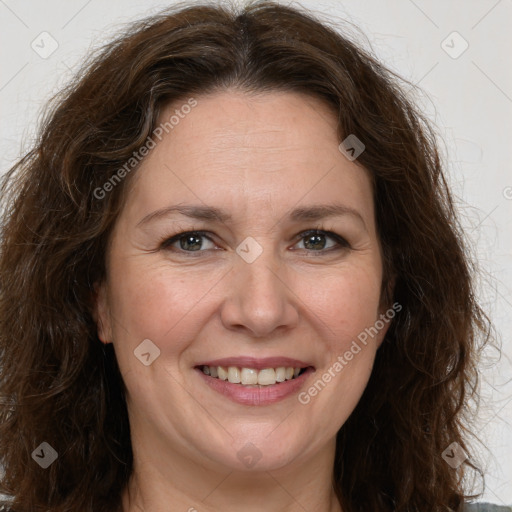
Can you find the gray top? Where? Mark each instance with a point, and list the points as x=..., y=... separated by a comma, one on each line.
x=485, y=507
x=468, y=507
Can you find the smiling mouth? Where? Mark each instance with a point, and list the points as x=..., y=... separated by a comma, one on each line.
x=252, y=377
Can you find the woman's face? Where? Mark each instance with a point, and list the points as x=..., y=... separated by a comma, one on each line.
x=252, y=290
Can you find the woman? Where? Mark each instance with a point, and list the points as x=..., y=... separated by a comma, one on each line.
x=232, y=278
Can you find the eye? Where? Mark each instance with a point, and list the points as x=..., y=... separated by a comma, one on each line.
x=316, y=240
x=190, y=241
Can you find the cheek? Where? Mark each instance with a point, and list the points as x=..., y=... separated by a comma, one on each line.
x=347, y=302
x=143, y=301
x=347, y=306
x=148, y=294
x=153, y=301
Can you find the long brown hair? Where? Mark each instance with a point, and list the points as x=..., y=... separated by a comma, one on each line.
x=60, y=385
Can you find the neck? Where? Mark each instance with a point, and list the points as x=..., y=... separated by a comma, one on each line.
x=159, y=481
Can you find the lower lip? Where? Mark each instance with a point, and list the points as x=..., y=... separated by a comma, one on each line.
x=263, y=395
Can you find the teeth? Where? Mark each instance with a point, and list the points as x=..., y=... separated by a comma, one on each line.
x=251, y=376
x=222, y=372
x=281, y=374
x=234, y=375
x=267, y=377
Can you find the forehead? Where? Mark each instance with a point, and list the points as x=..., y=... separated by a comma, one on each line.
x=272, y=125
x=277, y=148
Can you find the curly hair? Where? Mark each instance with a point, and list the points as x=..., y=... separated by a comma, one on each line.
x=59, y=384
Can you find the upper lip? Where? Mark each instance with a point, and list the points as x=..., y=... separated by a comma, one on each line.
x=256, y=363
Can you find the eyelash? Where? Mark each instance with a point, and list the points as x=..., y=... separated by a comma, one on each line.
x=167, y=242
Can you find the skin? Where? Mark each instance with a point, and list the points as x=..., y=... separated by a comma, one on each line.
x=258, y=157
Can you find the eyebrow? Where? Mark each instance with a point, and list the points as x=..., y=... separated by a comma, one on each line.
x=309, y=213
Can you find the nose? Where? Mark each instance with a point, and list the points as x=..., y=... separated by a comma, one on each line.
x=260, y=298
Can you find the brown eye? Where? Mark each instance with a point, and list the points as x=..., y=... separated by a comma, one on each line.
x=192, y=241
x=315, y=242
x=318, y=240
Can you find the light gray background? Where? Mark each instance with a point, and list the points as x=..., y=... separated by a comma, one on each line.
x=468, y=97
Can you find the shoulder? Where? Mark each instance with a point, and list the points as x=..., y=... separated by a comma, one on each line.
x=485, y=507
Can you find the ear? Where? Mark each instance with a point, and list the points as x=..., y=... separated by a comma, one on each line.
x=384, y=320
x=101, y=312
x=387, y=310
